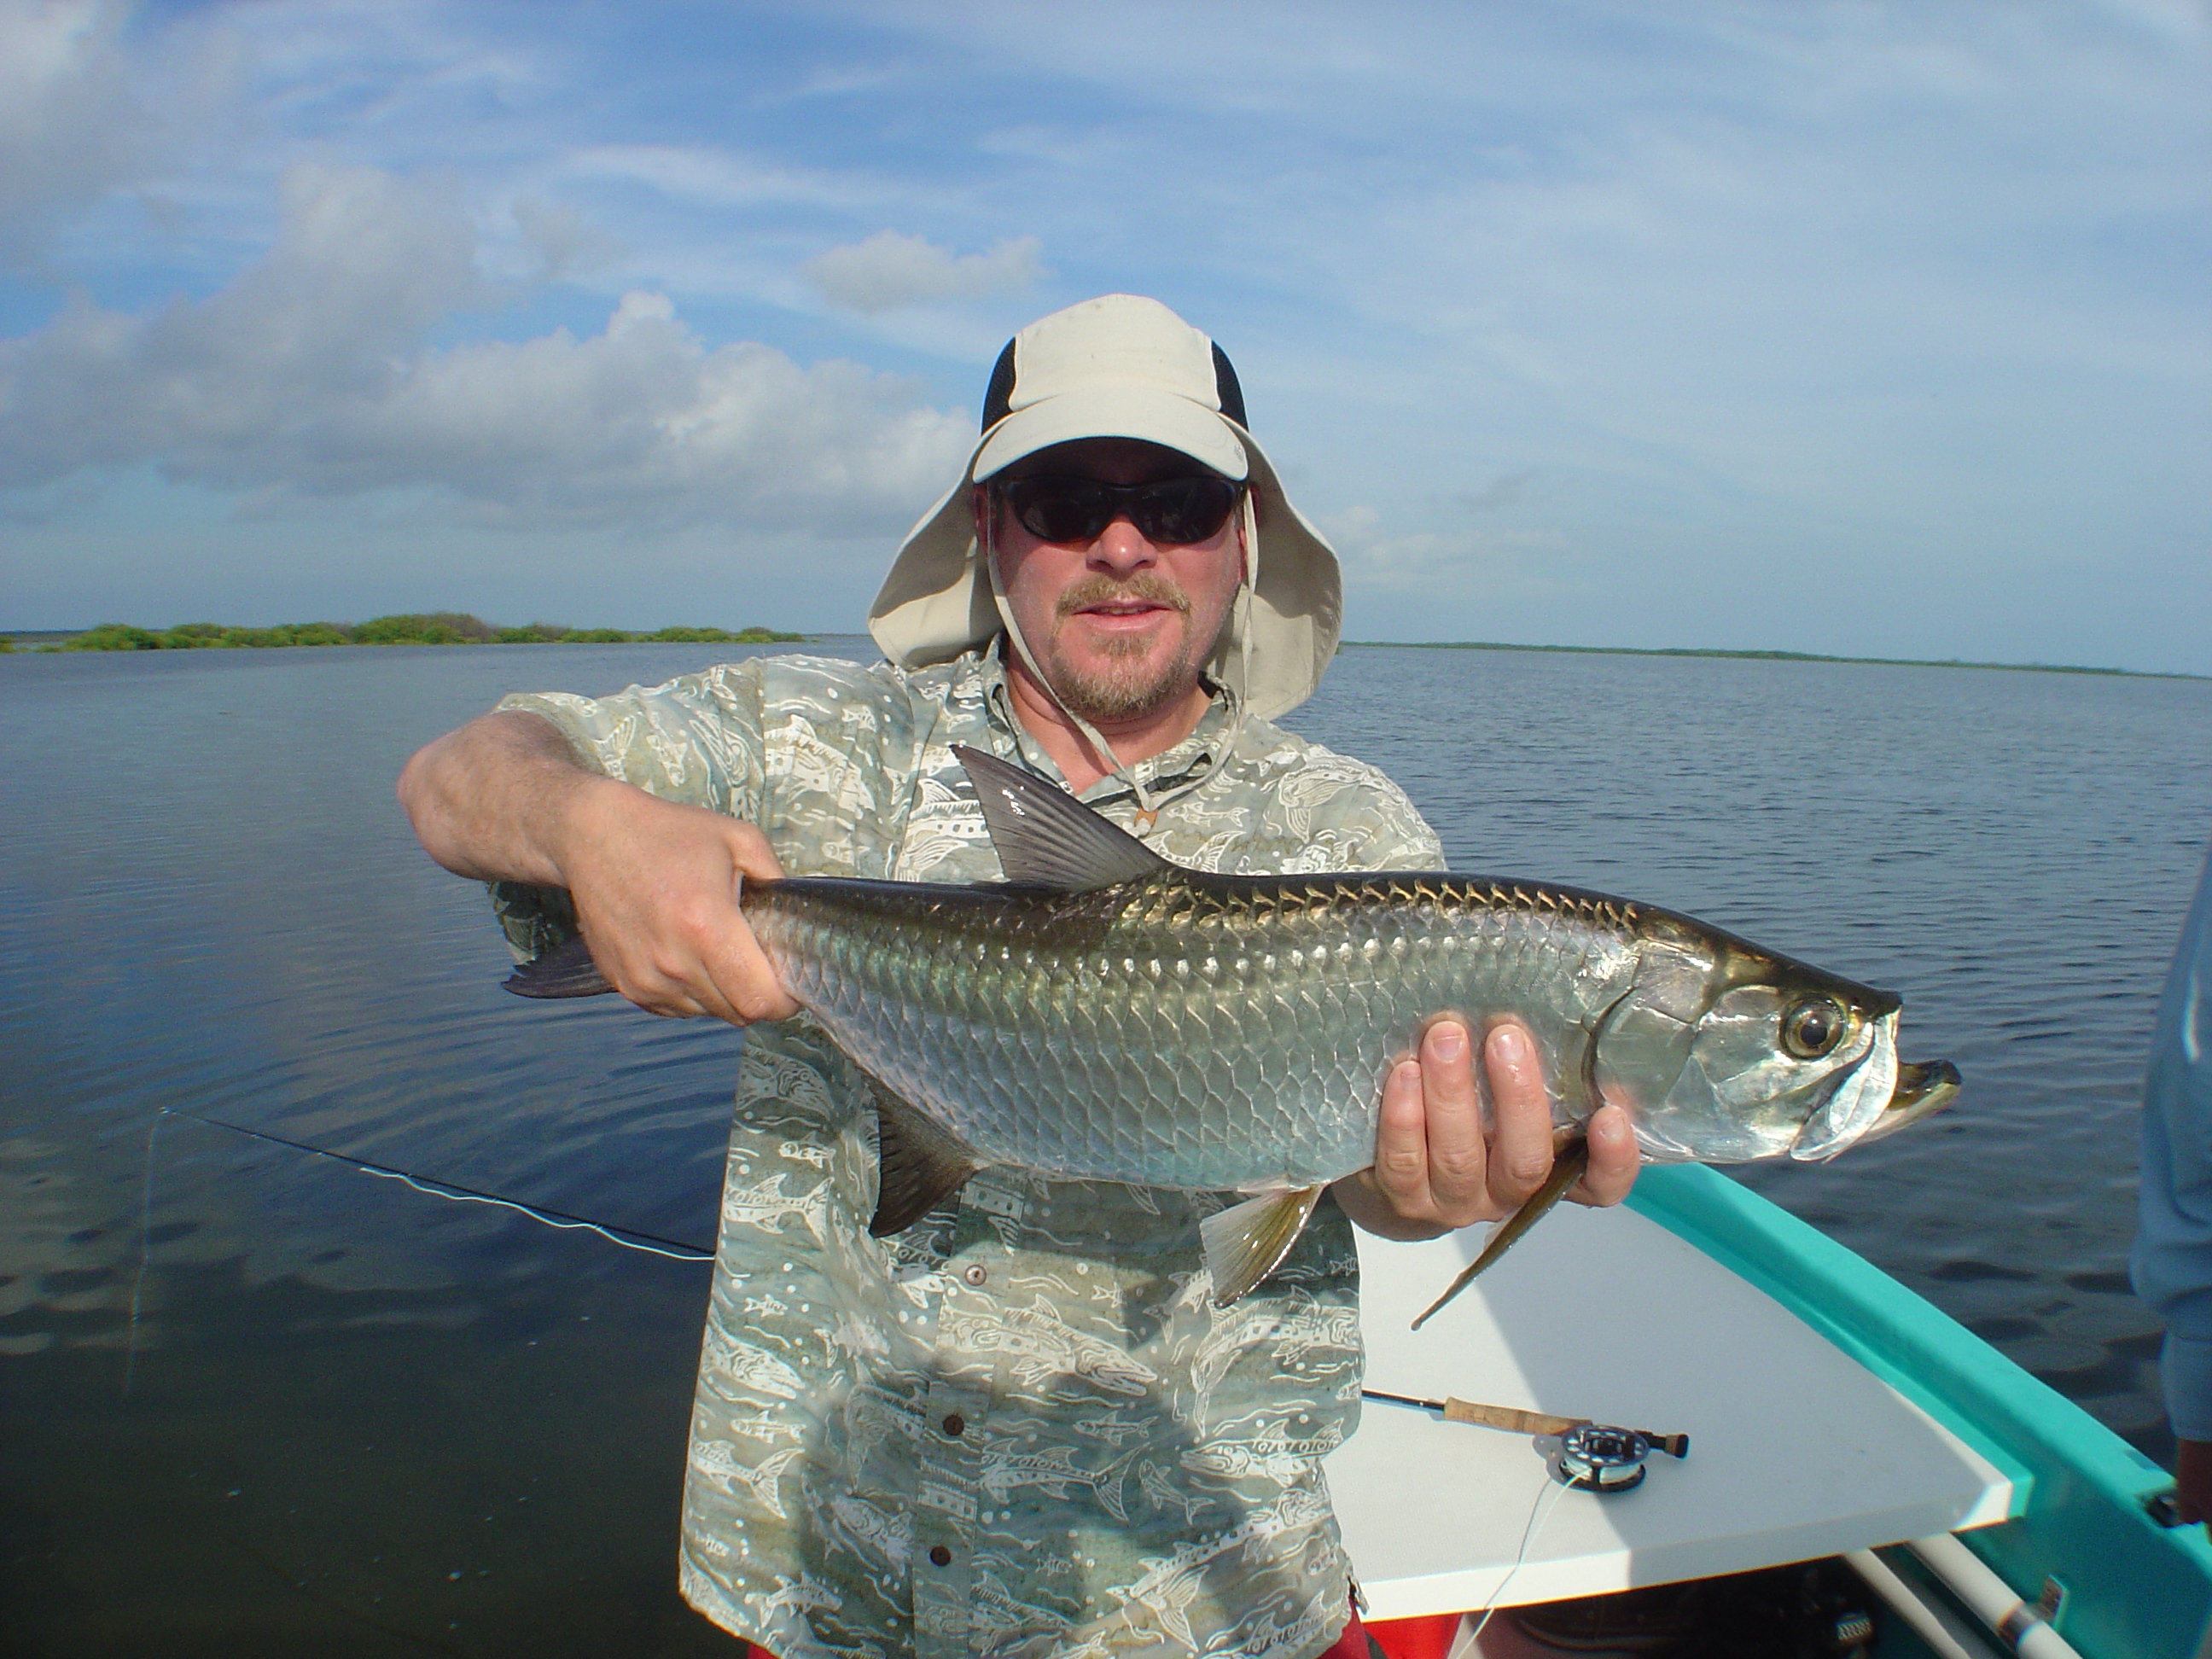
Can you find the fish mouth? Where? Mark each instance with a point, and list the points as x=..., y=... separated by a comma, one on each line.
x=1923, y=1089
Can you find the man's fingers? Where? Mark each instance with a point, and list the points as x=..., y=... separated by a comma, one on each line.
x=657, y=983
x=1458, y=1158
x=739, y=970
x=1521, y=1138
x=1614, y=1159
x=1401, y=1142
x=1436, y=1167
x=728, y=978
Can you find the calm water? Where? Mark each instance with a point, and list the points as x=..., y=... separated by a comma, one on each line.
x=333, y=1415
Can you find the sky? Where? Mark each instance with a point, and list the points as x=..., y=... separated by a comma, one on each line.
x=1871, y=329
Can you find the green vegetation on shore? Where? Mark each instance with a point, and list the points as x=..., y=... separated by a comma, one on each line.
x=1765, y=656
x=459, y=628
x=423, y=628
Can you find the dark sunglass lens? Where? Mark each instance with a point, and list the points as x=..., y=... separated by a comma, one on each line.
x=1175, y=510
x=1060, y=509
x=1184, y=510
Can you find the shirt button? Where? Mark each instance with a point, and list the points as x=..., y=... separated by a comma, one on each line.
x=955, y=1424
x=940, y=1556
x=974, y=1273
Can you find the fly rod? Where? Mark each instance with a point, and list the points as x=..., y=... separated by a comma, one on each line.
x=1516, y=1421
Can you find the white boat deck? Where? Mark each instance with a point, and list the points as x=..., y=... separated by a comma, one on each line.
x=1796, y=1451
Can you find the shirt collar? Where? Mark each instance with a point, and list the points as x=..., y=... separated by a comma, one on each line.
x=1172, y=772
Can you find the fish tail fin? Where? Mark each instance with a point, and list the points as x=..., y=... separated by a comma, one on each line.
x=566, y=971
x=1567, y=1166
x=1247, y=1241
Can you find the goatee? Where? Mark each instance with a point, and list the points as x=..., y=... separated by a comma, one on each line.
x=1122, y=689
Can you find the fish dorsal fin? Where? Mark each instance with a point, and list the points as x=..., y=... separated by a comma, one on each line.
x=1247, y=1241
x=919, y=1163
x=1045, y=837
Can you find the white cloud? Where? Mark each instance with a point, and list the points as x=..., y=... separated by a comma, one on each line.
x=1915, y=290
x=95, y=100
x=71, y=125
x=1462, y=563
x=716, y=176
x=889, y=269
x=558, y=239
x=310, y=375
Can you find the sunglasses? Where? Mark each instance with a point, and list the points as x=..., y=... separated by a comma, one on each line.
x=1174, y=512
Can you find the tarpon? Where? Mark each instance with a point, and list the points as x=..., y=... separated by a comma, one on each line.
x=1103, y=1014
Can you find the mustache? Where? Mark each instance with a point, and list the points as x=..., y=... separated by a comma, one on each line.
x=1145, y=584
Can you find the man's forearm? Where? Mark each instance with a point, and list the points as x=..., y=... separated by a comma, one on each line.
x=493, y=799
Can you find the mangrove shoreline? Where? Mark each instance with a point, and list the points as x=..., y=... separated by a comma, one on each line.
x=412, y=628
x=460, y=628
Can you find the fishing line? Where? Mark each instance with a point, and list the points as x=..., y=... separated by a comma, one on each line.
x=145, y=1255
x=1539, y=1512
x=628, y=1238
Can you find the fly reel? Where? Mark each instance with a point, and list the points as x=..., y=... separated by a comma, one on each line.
x=1598, y=1457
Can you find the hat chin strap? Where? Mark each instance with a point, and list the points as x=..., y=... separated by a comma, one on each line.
x=1090, y=734
x=1240, y=610
x=1248, y=595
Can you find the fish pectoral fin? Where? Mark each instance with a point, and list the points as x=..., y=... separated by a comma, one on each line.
x=1567, y=1166
x=566, y=971
x=1247, y=1241
x=919, y=1163
x=1045, y=837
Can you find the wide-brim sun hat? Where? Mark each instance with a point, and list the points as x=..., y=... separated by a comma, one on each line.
x=1124, y=367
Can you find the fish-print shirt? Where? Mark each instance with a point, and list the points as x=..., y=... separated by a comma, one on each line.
x=1021, y=1427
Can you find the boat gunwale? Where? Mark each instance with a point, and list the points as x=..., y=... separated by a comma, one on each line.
x=2080, y=1492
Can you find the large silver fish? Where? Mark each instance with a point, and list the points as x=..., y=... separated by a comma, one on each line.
x=1106, y=1015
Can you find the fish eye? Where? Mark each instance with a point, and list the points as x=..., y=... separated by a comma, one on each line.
x=1812, y=1027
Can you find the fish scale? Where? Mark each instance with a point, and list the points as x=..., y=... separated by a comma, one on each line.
x=1196, y=1018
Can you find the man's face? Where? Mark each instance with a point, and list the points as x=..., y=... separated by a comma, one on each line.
x=1120, y=624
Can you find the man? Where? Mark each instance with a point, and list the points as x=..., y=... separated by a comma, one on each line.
x=2172, y=1260
x=1021, y=1426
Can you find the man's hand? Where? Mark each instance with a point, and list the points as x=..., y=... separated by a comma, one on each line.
x=655, y=883
x=1434, y=1168
x=656, y=887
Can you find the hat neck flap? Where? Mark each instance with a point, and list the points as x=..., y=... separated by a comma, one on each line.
x=939, y=599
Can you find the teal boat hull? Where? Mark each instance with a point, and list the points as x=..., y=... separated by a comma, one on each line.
x=2082, y=1496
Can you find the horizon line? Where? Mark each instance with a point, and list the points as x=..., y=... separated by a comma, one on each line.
x=1774, y=656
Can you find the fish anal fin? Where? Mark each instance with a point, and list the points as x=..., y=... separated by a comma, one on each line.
x=919, y=1163
x=1247, y=1241
x=1045, y=837
x=1567, y=1166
